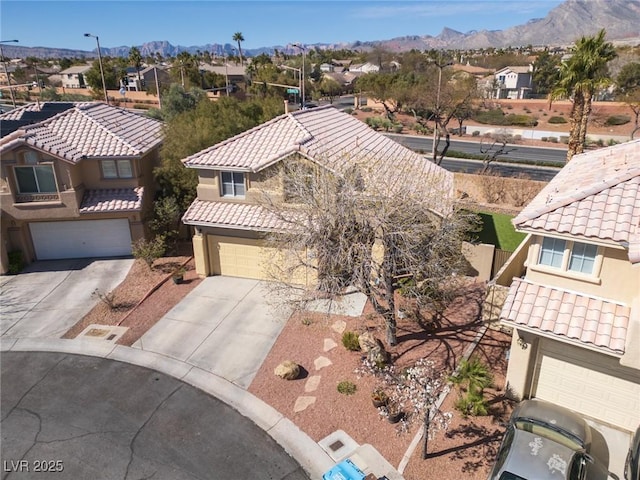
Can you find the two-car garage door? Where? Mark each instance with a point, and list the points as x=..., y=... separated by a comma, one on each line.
x=81, y=239
x=249, y=258
x=589, y=383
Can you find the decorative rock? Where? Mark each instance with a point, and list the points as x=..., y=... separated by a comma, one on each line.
x=329, y=344
x=303, y=402
x=367, y=341
x=288, y=370
x=312, y=383
x=378, y=354
x=322, y=362
x=339, y=326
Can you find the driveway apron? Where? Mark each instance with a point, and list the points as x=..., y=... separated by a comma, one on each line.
x=225, y=326
x=49, y=297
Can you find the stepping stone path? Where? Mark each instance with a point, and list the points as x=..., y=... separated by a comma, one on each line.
x=304, y=401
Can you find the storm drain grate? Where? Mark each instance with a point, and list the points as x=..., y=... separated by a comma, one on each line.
x=338, y=445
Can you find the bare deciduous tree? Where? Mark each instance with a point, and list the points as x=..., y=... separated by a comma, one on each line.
x=360, y=225
x=491, y=152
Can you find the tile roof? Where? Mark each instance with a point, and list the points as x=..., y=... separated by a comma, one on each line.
x=91, y=129
x=595, y=196
x=567, y=316
x=112, y=200
x=331, y=138
x=231, y=215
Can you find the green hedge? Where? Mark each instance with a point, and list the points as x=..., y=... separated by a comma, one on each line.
x=557, y=120
x=617, y=120
x=497, y=117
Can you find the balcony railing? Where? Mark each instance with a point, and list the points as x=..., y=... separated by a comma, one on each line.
x=37, y=197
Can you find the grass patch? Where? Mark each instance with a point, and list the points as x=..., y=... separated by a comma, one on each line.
x=497, y=230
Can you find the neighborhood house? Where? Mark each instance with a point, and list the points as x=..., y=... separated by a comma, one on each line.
x=77, y=184
x=228, y=215
x=575, y=313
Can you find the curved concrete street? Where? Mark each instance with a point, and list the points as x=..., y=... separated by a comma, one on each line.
x=89, y=417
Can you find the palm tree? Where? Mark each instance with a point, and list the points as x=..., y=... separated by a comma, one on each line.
x=239, y=38
x=581, y=76
x=135, y=58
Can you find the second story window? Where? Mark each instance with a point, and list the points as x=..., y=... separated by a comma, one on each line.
x=552, y=252
x=116, y=168
x=36, y=179
x=232, y=184
x=583, y=257
x=568, y=256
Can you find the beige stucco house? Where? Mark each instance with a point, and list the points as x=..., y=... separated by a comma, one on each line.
x=74, y=77
x=575, y=313
x=229, y=216
x=77, y=184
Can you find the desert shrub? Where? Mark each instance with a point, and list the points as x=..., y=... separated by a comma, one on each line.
x=475, y=133
x=367, y=109
x=397, y=128
x=350, y=341
x=517, y=138
x=614, y=120
x=149, y=250
x=544, y=139
x=521, y=190
x=611, y=142
x=556, y=119
x=492, y=187
x=490, y=117
x=521, y=120
x=348, y=111
x=347, y=388
x=599, y=142
x=564, y=139
x=553, y=139
x=16, y=262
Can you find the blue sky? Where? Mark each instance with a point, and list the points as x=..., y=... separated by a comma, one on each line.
x=61, y=24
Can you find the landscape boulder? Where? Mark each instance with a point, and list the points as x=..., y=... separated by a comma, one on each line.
x=367, y=341
x=287, y=370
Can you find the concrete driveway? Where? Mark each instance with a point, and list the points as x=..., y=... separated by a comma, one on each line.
x=49, y=297
x=225, y=326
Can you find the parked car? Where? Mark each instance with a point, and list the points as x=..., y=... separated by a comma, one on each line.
x=545, y=441
x=632, y=463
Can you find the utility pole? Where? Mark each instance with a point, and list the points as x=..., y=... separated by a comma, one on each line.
x=6, y=72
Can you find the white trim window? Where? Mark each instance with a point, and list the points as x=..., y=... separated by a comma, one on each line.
x=116, y=169
x=569, y=256
x=232, y=184
x=552, y=252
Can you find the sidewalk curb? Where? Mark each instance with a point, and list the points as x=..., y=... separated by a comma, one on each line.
x=311, y=457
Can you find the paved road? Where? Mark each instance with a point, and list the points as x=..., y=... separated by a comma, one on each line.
x=101, y=419
x=520, y=153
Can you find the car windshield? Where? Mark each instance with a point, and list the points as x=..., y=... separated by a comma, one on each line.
x=551, y=432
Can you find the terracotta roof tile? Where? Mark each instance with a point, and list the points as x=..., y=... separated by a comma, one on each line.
x=91, y=129
x=112, y=200
x=581, y=319
x=327, y=136
x=231, y=215
x=595, y=196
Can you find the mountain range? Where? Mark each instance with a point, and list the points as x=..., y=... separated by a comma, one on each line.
x=561, y=27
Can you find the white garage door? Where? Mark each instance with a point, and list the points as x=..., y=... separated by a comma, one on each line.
x=81, y=239
x=589, y=383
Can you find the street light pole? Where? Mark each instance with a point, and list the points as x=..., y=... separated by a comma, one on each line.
x=104, y=85
x=6, y=72
x=304, y=52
